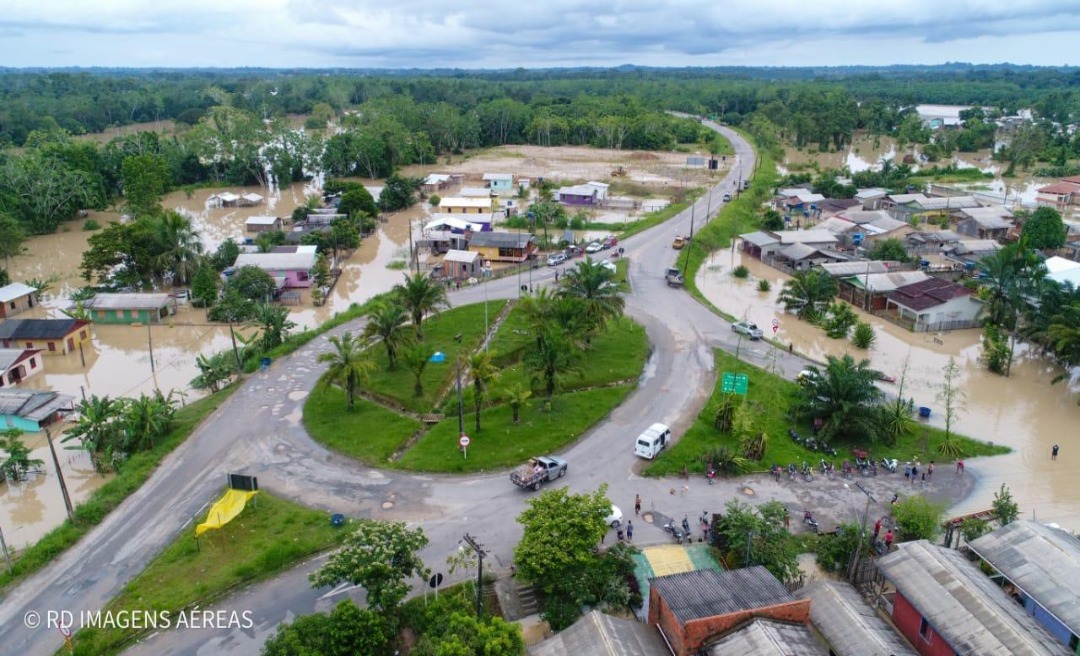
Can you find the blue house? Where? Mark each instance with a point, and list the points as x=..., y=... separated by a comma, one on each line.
x=29, y=410
x=500, y=183
x=1042, y=566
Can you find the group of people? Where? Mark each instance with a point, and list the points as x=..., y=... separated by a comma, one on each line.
x=888, y=534
x=911, y=471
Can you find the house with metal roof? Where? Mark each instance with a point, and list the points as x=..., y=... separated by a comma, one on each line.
x=859, y=267
x=934, y=304
x=262, y=223
x=578, y=195
x=1061, y=194
x=850, y=625
x=29, y=410
x=461, y=265
x=130, y=308
x=1042, y=564
x=436, y=182
x=985, y=222
x=693, y=609
x=18, y=364
x=597, y=634
x=503, y=246
x=944, y=605
x=52, y=336
x=765, y=637
x=468, y=205
x=870, y=290
x=290, y=270
x=501, y=183
x=757, y=243
x=16, y=298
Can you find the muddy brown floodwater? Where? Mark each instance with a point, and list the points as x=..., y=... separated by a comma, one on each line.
x=1025, y=411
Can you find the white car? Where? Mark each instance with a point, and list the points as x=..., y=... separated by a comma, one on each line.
x=615, y=518
x=594, y=247
x=608, y=264
x=556, y=259
x=747, y=328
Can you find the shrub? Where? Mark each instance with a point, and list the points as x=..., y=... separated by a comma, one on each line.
x=864, y=335
x=741, y=272
x=434, y=200
x=91, y=225
x=763, y=285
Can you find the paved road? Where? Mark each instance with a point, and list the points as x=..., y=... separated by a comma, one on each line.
x=258, y=431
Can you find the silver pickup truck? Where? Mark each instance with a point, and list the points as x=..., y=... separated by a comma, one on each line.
x=537, y=471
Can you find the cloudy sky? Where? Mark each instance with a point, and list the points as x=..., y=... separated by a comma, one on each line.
x=535, y=33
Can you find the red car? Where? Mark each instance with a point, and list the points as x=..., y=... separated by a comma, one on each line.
x=610, y=242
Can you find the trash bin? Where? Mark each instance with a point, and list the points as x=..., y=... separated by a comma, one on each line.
x=924, y=412
x=265, y=363
x=337, y=520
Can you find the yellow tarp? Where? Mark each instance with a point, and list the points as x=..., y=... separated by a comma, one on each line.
x=224, y=510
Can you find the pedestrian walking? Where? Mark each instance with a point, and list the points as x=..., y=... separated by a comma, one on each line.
x=907, y=470
x=791, y=347
x=556, y=275
x=914, y=473
x=888, y=539
x=787, y=520
x=930, y=470
x=629, y=531
x=877, y=529
x=685, y=474
x=637, y=504
x=959, y=467
x=1054, y=452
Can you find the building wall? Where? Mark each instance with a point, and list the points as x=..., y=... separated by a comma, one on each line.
x=27, y=368
x=11, y=308
x=263, y=228
x=502, y=185
x=68, y=344
x=463, y=210
x=573, y=199
x=128, y=316
x=908, y=620
x=1052, y=625
x=25, y=425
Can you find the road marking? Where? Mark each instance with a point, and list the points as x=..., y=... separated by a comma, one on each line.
x=340, y=589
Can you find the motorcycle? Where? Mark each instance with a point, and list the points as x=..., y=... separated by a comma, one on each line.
x=827, y=469
x=889, y=464
x=806, y=473
x=670, y=527
x=686, y=525
x=828, y=449
x=791, y=471
x=808, y=519
x=848, y=470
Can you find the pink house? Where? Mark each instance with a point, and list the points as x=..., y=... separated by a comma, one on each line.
x=290, y=266
x=17, y=364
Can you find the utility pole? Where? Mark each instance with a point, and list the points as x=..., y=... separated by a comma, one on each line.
x=236, y=352
x=689, y=245
x=862, y=530
x=150, y=343
x=480, y=553
x=60, y=477
x=460, y=406
x=7, y=554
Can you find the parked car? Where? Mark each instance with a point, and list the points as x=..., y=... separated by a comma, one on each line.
x=594, y=247
x=745, y=184
x=607, y=264
x=537, y=471
x=610, y=242
x=556, y=259
x=574, y=251
x=615, y=518
x=727, y=197
x=747, y=328
x=652, y=441
x=679, y=242
x=674, y=277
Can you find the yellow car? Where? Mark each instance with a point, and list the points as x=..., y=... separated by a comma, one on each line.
x=678, y=243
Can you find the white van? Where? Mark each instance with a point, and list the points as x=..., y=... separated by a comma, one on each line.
x=652, y=441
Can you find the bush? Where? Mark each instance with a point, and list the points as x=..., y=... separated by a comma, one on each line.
x=864, y=335
x=741, y=272
x=434, y=200
x=90, y=225
x=763, y=285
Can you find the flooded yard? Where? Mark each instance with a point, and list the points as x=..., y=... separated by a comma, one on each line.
x=1024, y=411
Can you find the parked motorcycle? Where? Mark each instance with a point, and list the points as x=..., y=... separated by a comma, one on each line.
x=849, y=470
x=827, y=469
x=806, y=473
x=889, y=464
x=808, y=519
x=686, y=525
x=675, y=532
x=791, y=471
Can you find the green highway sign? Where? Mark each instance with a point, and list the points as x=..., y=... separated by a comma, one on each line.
x=734, y=383
x=741, y=383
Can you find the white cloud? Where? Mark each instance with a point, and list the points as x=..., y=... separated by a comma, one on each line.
x=482, y=33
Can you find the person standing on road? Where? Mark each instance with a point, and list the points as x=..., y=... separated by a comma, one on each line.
x=888, y=540
x=877, y=529
x=930, y=470
x=1054, y=452
x=629, y=531
x=637, y=504
x=791, y=347
x=959, y=467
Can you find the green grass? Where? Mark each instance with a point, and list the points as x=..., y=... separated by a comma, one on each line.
x=773, y=395
x=268, y=537
x=370, y=433
x=622, y=270
x=659, y=216
x=501, y=444
x=439, y=331
x=131, y=476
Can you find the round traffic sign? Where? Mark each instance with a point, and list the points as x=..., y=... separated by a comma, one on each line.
x=464, y=440
x=775, y=323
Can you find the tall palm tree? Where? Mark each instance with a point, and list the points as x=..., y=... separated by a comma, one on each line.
x=387, y=322
x=483, y=373
x=416, y=357
x=421, y=295
x=181, y=246
x=594, y=286
x=348, y=366
x=552, y=359
x=517, y=397
x=844, y=397
x=808, y=293
x=273, y=321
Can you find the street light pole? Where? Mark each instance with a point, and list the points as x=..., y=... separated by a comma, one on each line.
x=460, y=406
x=480, y=553
x=686, y=260
x=862, y=531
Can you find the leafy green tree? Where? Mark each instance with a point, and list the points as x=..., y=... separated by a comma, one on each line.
x=214, y=371
x=145, y=179
x=973, y=528
x=890, y=249
x=918, y=518
x=179, y=246
x=232, y=308
x=517, y=397
x=98, y=429
x=552, y=358
x=348, y=365
x=378, y=556
x=772, y=220
x=205, y=286
x=357, y=202
x=146, y=420
x=386, y=321
x=416, y=357
x=483, y=373
x=952, y=397
x=398, y=193
x=266, y=241
x=839, y=320
x=274, y=325
x=345, y=631
x=594, y=287
x=42, y=192
x=835, y=551
x=17, y=462
x=756, y=536
x=12, y=237
x=843, y=396
x=321, y=273
x=808, y=293
x=463, y=634
x=252, y=283
x=864, y=335
x=1003, y=509
x=1044, y=229
x=225, y=255
x=421, y=296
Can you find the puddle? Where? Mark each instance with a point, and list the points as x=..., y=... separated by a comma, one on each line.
x=1023, y=411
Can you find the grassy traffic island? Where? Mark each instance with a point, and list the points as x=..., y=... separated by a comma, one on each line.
x=544, y=378
x=734, y=442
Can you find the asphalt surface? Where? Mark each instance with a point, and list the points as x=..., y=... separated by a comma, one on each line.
x=258, y=431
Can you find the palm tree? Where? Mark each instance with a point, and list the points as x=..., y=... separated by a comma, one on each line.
x=808, y=293
x=181, y=247
x=273, y=321
x=517, y=397
x=552, y=359
x=387, y=322
x=416, y=357
x=421, y=296
x=483, y=373
x=594, y=286
x=348, y=366
x=844, y=397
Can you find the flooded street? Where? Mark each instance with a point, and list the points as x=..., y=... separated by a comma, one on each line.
x=1023, y=411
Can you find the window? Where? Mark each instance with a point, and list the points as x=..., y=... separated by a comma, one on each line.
x=13, y=305
x=924, y=630
x=82, y=335
x=302, y=275
x=101, y=314
x=29, y=345
x=52, y=346
x=33, y=363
